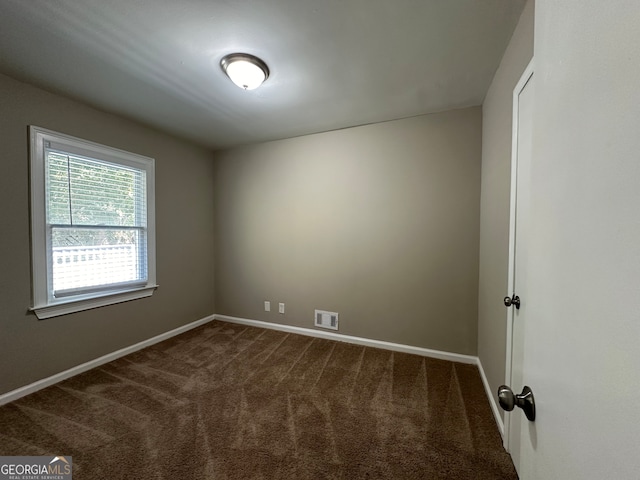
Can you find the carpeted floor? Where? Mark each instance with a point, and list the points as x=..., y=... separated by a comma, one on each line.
x=226, y=401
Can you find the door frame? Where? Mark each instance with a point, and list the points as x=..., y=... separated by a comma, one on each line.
x=524, y=79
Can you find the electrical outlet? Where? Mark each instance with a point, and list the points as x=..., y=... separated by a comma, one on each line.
x=281, y=307
x=267, y=306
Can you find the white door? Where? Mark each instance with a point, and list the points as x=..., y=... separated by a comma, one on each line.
x=516, y=424
x=581, y=307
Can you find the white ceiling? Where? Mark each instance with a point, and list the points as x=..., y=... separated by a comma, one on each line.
x=333, y=63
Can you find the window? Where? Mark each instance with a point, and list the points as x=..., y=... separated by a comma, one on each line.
x=92, y=224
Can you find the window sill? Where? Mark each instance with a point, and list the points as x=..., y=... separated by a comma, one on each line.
x=78, y=305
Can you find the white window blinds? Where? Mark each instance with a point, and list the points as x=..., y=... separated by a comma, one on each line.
x=96, y=220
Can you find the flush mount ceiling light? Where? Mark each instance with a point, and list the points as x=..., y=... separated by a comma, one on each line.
x=246, y=71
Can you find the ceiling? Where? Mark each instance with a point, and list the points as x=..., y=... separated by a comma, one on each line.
x=333, y=63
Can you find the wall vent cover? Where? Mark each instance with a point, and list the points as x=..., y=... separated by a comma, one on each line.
x=326, y=319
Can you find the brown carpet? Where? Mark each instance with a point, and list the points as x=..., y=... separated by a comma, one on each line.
x=225, y=401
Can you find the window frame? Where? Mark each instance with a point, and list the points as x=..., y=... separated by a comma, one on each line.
x=43, y=304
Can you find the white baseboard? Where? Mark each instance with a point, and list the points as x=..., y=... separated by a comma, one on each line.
x=397, y=347
x=492, y=400
x=58, y=377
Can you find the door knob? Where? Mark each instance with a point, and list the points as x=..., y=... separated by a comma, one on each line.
x=515, y=300
x=525, y=401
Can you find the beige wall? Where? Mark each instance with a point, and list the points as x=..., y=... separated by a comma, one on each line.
x=494, y=210
x=32, y=349
x=379, y=223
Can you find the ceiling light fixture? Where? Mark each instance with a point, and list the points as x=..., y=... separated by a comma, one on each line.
x=246, y=71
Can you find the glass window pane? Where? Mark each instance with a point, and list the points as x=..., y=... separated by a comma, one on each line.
x=104, y=194
x=85, y=258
